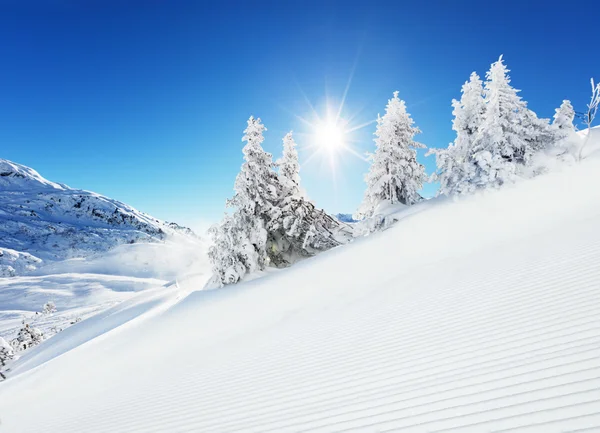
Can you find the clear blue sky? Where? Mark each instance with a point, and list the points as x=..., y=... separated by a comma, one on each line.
x=146, y=101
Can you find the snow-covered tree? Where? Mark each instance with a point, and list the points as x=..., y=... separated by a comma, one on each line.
x=510, y=133
x=563, y=118
x=240, y=241
x=6, y=354
x=232, y=254
x=289, y=167
x=295, y=216
x=539, y=134
x=256, y=190
x=271, y=220
x=304, y=230
x=27, y=337
x=395, y=175
x=454, y=167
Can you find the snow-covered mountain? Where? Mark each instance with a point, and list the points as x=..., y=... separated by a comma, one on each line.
x=43, y=221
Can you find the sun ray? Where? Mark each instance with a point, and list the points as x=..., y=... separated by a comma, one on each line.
x=310, y=105
x=341, y=107
x=363, y=125
x=355, y=153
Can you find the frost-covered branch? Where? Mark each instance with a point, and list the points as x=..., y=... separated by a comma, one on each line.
x=590, y=115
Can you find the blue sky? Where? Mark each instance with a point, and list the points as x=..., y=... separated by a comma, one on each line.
x=146, y=101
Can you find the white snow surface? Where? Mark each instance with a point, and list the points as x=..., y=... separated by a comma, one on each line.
x=476, y=315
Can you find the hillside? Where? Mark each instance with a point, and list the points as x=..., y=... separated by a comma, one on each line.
x=43, y=221
x=469, y=316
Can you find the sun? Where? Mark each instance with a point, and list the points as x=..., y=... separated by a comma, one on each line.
x=329, y=136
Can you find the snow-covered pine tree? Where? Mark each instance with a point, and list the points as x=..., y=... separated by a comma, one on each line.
x=272, y=218
x=564, y=130
x=539, y=134
x=454, y=167
x=240, y=241
x=305, y=230
x=395, y=175
x=256, y=190
x=563, y=119
x=289, y=167
x=27, y=337
x=298, y=219
x=232, y=254
x=509, y=133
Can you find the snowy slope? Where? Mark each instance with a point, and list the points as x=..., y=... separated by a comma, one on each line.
x=471, y=316
x=51, y=221
x=83, y=287
x=83, y=251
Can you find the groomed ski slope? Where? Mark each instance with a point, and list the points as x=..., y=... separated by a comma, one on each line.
x=472, y=316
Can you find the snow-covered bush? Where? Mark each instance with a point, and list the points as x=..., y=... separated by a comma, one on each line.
x=49, y=308
x=6, y=355
x=27, y=337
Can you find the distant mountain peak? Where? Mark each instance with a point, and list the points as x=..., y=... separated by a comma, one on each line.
x=18, y=176
x=51, y=221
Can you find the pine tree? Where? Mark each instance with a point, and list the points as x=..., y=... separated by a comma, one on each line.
x=454, y=167
x=289, y=167
x=395, y=175
x=564, y=129
x=508, y=134
x=256, y=190
x=240, y=240
x=256, y=185
x=563, y=118
x=298, y=229
x=272, y=219
x=539, y=134
x=232, y=254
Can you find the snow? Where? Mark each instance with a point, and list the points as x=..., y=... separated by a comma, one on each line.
x=469, y=315
x=85, y=253
x=42, y=222
x=84, y=287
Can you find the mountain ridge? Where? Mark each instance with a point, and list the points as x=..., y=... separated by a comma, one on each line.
x=43, y=221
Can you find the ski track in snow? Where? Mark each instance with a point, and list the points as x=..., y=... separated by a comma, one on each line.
x=491, y=323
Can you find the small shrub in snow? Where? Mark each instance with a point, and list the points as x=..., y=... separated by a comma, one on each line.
x=27, y=337
x=49, y=308
x=6, y=354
